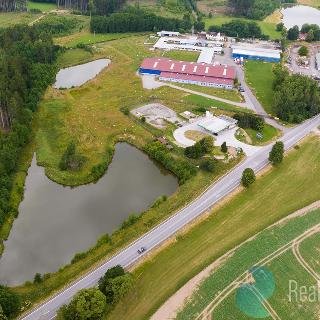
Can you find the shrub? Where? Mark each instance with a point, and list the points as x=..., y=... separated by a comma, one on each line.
x=248, y=177
x=70, y=160
x=208, y=165
x=224, y=147
x=277, y=152
x=9, y=301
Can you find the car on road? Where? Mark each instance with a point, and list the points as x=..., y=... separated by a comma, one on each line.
x=241, y=89
x=141, y=250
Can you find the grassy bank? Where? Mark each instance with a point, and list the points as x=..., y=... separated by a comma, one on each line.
x=291, y=186
x=259, y=77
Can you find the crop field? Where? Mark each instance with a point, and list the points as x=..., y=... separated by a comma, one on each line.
x=260, y=77
x=266, y=27
x=310, y=251
x=248, y=212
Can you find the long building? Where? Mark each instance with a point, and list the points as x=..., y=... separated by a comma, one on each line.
x=202, y=74
x=268, y=55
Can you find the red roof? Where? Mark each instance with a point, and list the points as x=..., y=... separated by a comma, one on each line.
x=189, y=68
x=180, y=76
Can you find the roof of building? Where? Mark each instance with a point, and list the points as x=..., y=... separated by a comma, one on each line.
x=189, y=68
x=215, y=124
x=261, y=52
x=206, y=55
x=189, y=77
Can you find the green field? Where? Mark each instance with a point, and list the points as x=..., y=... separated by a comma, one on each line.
x=232, y=95
x=74, y=56
x=310, y=249
x=44, y=7
x=291, y=186
x=266, y=27
x=9, y=19
x=269, y=133
x=180, y=55
x=259, y=77
x=214, y=104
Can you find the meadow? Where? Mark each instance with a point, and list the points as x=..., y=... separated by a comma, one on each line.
x=43, y=6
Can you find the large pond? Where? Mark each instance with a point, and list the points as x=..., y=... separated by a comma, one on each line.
x=80, y=74
x=299, y=15
x=55, y=222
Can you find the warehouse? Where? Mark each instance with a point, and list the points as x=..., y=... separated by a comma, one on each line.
x=216, y=125
x=268, y=55
x=219, y=76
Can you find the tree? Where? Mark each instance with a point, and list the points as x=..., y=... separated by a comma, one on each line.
x=9, y=301
x=2, y=315
x=111, y=273
x=310, y=35
x=280, y=26
x=208, y=165
x=70, y=160
x=87, y=304
x=277, y=152
x=224, y=147
x=207, y=144
x=303, y=51
x=248, y=177
x=293, y=33
x=120, y=286
x=37, y=278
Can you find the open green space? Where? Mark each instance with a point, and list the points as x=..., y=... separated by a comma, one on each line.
x=232, y=95
x=266, y=27
x=8, y=19
x=269, y=133
x=74, y=56
x=310, y=251
x=283, y=190
x=200, y=101
x=259, y=77
x=43, y=6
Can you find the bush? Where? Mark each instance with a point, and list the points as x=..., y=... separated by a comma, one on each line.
x=37, y=278
x=208, y=165
x=224, y=147
x=70, y=160
x=9, y=301
x=111, y=273
x=303, y=51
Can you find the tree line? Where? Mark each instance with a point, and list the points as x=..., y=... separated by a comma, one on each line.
x=256, y=9
x=312, y=32
x=27, y=67
x=12, y=5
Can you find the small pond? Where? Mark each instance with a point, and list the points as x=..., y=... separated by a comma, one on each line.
x=299, y=15
x=80, y=74
x=55, y=222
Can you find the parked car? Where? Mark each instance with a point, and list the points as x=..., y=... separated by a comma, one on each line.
x=241, y=89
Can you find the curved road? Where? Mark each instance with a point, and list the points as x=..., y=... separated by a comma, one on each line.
x=169, y=227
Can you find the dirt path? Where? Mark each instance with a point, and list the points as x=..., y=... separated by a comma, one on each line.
x=170, y=308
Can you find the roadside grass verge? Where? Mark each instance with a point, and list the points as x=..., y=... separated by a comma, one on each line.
x=310, y=249
x=277, y=193
x=232, y=95
x=266, y=27
x=214, y=104
x=43, y=6
x=259, y=77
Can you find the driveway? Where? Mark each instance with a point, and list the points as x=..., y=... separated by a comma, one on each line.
x=227, y=136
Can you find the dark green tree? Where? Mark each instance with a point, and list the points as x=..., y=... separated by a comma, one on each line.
x=293, y=33
x=277, y=153
x=224, y=147
x=9, y=301
x=248, y=177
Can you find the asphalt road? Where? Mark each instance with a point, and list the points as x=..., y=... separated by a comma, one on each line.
x=160, y=233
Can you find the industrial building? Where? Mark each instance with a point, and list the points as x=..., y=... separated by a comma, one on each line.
x=168, y=34
x=318, y=61
x=202, y=74
x=216, y=125
x=253, y=53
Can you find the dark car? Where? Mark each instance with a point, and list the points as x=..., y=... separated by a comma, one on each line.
x=141, y=250
x=241, y=89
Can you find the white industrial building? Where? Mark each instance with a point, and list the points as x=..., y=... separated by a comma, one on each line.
x=254, y=53
x=216, y=125
x=168, y=34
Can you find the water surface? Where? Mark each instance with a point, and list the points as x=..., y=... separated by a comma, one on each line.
x=80, y=74
x=299, y=15
x=55, y=222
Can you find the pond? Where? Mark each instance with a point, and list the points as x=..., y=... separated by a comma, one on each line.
x=299, y=15
x=80, y=74
x=55, y=222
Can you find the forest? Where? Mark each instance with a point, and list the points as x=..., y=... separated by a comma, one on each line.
x=27, y=67
x=13, y=5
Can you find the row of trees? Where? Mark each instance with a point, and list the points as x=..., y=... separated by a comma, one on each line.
x=181, y=168
x=240, y=29
x=256, y=9
x=136, y=20
x=312, y=31
x=12, y=5
x=27, y=67
x=200, y=148
x=296, y=97
x=92, y=303
x=247, y=120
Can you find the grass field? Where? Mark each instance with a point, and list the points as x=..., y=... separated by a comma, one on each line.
x=210, y=103
x=269, y=133
x=312, y=3
x=74, y=56
x=267, y=28
x=232, y=95
x=44, y=7
x=292, y=185
x=9, y=19
x=180, y=55
x=260, y=77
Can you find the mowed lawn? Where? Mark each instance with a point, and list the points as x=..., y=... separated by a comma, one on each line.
x=283, y=190
x=269, y=133
x=260, y=77
x=267, y=28
x=43, y=6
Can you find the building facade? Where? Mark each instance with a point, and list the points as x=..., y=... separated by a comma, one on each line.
x=268, y=55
